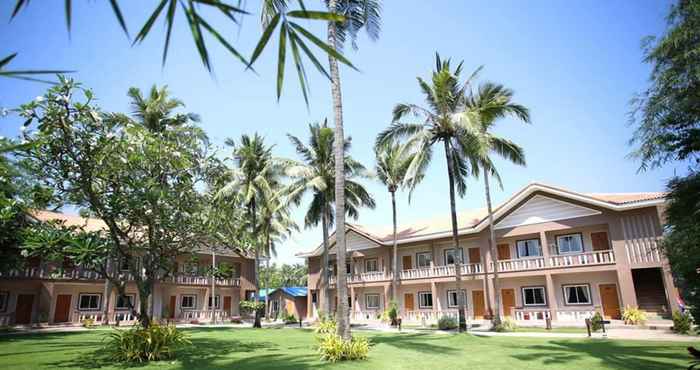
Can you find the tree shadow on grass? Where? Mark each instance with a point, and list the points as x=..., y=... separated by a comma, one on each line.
x=415, y=342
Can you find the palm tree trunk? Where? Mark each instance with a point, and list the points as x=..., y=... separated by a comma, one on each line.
x=342, y=316
x=455, y=239
x=267, y=280
x=256, y=268
x=326, y=304
x=395, y=259
x=492, y=243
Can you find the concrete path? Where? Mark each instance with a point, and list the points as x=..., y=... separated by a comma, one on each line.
x=627, y=334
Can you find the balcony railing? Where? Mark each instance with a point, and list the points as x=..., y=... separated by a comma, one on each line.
x=588, y=258
x=531, y=314
x=441, y=271
x=204, y=315
x=371, y=276
x=427, y=316
x=203, y=280
x=521, y=264
x=51, y=273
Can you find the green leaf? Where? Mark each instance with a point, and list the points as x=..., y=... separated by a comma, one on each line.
x=169, y=19
x=120, y=17
x=222, y=40
x=310, y=54
x=18, y=6
x=34, y=72
x=299, y=65
x=69, y=11
x=331, y=51
x=316, y=15
x=7, y=59
x=222, y=6
x=281, y=58
x=192, y=19
x=264, y=39
x=149, y=23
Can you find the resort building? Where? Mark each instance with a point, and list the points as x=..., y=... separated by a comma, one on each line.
x=44, y=292
x=286, y=301
x=561, y=255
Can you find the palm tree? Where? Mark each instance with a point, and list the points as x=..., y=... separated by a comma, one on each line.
x=155, y=112
x=445, y=96
x=254, y=176
x=483, y=108
x=392, y=166
x=316, y=174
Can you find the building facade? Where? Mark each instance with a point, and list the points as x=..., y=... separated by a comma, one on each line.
x=560, y=255
x=47, y=293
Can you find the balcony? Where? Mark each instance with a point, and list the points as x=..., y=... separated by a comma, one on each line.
x=440, y=271
x=203, y=280
x=521, y=264
x=589, y=258
x=50, y=273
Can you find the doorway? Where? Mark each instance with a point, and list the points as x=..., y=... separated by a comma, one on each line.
x=23, y=310
x=610, y=301
x=507, y=301
x=62, y=312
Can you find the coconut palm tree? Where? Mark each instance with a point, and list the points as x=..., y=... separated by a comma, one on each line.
x=254, y=176
x=315, y=174
x=483, y=107
x=391, y=168
x=445, y=98
x=156, y=111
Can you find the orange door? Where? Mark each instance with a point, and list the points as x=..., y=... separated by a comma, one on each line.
x=227, y=304
x=600, y=241
x=173, y=300
x=474, y=255
x=62, y=311
x=408, y=301
x=503, y=252
x=479, y=305
x=508, y=301
x=406, y=262
x=23, y=311
x=609, y=301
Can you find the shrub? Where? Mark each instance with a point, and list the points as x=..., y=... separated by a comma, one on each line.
x=682, y=322
x=325, y=327
x=88, y=323
x=506, y=325
x=289, y=318
x=393, y=313
x=138, y=344
x=634, y=316
x=597, y=322
x=333, y=348
x=447, y=323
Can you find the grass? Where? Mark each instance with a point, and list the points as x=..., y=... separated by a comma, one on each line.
x=563, y=329
x=227, y=348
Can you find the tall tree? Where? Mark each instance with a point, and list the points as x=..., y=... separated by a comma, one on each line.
x=445, y=98
x=393, y=162
x=315, y=174
x=483, y=107
x=157, y=110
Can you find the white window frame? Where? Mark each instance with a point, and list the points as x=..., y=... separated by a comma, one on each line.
x=99, y=301
x=376, y=262
x=217, y=302
x=429, y=259
x=566, y=294
x=4, y=303
x=517, y=248
x=544, y=296
x=116, y=302
x=580, y=238
x=420, y=300
x=367, y=296
x=450, y=292
x=194, y=302
x=445, y=251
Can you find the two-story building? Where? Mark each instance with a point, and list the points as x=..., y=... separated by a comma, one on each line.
x=560, y=254
x=44, y=292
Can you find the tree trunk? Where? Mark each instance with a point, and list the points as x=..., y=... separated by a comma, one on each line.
x=455, y=239
x=213, y=288
x=494, y=253
x=395, y=260
x=145, y=289
x=256, y=268
x=326, y=304
x=265, y=283
x=342, y=315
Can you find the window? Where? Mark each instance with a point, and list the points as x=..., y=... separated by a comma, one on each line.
x=371, y=301
x=4, y=299
x=577, y=294
x=89, y=301
x=371, y=265
x=452, y=298
x=123, y=302
x=534, y=296
x=424, y=259
x=275, y=307
x=347, y=268
x=425, y=300
x=217, y=302
x=188, y=301
x=572, y=243
x=314, y=297
x=451, y=256
x=529, y=248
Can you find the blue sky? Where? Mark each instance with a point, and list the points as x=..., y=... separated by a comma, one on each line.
x=574, y=64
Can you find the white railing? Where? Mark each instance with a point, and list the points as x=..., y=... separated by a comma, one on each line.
x=441, y=271
x=204, y=315
x=51, y=273
x=80, y=316
x=531, y=314
x=365, y=315
x=581, y=259
x=520, y=264
x=123, y=317
x=203, y=280
x=371, y=276
x=427, y=316
x=575, y=315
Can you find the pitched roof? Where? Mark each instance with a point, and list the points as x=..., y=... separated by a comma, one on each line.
x=294, y=291
x=88, y=224
x=474, y=220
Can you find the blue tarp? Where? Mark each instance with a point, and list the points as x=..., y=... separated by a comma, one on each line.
x=294, y=291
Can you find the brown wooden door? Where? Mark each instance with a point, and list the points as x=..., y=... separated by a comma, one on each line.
x=508, y=301
x=600, y=241
x=173, y=302
x=479, y=305
x=23, y=311
x=406, y=262
x=227, y=304
x=610, y=301
x=503, y=252
x=408, y=301
x=62, y=312
x=474, y=255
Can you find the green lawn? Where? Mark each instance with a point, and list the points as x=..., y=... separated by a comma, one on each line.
x=225, y=348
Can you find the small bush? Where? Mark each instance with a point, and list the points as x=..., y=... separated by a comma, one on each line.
x=289, y=318
x=157, y=342
x=325, y=327
x=682, y=322
x=506, y=325
x=597, y=322
x=634, y=316
x=88, y=323
x=333, y=348
x=447, y=323
x=393, y=313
